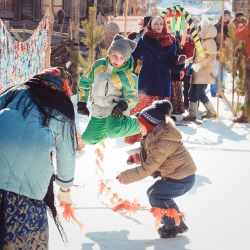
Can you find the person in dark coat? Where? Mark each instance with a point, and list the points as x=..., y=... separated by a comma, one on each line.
x=157, y=49
x=221, y=67
x=188, y=51
x=134, y=36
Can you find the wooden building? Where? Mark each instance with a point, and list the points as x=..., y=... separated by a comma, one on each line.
x=28, y=13
x=34, y=9
x=242, y=6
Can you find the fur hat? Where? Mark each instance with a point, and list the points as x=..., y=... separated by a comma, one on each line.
x=227, y=12
x=155, y=114
x=122, y=45
x=239, y=14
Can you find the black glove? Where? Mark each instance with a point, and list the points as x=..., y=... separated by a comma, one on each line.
x=119, y=108
x=156, y=174
x=82, y=108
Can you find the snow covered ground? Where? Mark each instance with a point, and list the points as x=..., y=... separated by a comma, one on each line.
x=217, y=207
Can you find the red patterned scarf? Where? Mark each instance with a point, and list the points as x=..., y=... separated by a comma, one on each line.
x=164, y=37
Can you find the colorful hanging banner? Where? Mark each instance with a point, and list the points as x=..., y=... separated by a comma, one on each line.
x=193, y=30
x=19, y=61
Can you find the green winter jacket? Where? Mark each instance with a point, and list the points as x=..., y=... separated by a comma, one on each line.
x=110, y=85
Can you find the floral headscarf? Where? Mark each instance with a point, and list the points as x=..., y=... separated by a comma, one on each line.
x=56, y=78
x=164, y=37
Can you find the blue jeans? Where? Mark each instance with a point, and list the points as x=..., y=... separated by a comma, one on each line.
x=197, y=92
x=223, y=77
x=162, y=192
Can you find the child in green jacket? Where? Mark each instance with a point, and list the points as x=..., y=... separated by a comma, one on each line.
x=114, y=93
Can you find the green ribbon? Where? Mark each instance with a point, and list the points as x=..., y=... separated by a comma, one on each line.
x=173, y=23
x=183, y=22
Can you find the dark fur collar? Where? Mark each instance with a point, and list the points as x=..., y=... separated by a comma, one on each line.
x=154, y=45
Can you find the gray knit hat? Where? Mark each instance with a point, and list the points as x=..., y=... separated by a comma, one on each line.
x=122, y=45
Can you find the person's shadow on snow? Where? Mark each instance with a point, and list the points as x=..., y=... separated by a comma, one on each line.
x=199, y=182
x=115, y=240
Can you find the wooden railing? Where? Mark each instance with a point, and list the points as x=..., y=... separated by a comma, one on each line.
x=23, y=31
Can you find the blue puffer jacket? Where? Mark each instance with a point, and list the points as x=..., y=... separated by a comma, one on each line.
x=25, y=147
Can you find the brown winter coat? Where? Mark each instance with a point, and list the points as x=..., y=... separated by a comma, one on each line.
x=207, y=71
x=236, y=22
x=161, y=150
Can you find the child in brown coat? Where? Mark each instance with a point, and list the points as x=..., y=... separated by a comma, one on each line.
x=162, y=154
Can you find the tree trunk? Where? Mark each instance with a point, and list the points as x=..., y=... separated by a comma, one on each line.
x=75, y=19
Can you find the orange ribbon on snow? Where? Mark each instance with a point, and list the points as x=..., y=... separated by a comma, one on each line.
x=131, y=207
x=99, y=166
x=104, y=189
x=170, y=212
x=99, y=154
x=127, y=206
x=68, y=213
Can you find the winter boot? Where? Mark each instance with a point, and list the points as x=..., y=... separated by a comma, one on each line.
x=171, y=233
x=210, y=110
x=243, y=118
x=192, y=112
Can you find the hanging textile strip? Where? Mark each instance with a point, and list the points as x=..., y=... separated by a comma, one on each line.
x=184, y=35
x=193, y=30
x=19, y=61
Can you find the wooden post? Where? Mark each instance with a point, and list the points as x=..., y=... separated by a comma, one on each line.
x=233, y=85
x=126, y=16
x=70, y=30
x=75, y=19
x=47, y=63
x=7, y=25
x=24, y=38
x=220, y=57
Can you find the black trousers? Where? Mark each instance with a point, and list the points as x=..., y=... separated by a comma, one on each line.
x=186, y=86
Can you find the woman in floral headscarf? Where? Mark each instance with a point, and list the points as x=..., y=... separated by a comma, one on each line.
x=35, y=118
x=157, y=50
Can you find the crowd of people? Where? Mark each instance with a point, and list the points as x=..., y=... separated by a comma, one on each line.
x=187, y=88
x=124, y=106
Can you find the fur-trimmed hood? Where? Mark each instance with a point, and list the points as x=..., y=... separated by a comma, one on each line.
x=207, y=29
x=236, y=22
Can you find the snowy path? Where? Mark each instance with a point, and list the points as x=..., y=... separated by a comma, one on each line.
x=217, y=207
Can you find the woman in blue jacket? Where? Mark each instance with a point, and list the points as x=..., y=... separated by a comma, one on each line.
x=157, y=50
x=35, y=118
